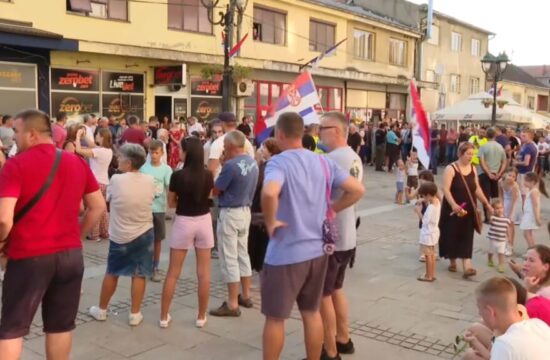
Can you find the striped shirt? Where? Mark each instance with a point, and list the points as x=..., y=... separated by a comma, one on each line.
x=498, y=231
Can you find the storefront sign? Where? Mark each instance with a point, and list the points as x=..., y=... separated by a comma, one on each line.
x=17, y=76
x=205, y=109
x=206, y=87
x=75, y=104
x=74, y=80
x=180, y=108
x=122, y=105
x=121, y=82
x=168, y=75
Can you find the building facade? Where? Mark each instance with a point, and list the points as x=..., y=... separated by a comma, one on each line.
x=539, y=72
x=451, y=60
x=117, y=57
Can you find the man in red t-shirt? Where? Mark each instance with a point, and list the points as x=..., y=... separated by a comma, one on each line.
x=134, y=134
x=43, y=248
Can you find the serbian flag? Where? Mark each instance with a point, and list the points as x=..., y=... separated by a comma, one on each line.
x=237, y=47
x=492, y=91
x=301, y=97
x=421, y=127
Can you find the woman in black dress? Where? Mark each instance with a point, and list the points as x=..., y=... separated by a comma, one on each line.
x=457, y=232
x=257, y=236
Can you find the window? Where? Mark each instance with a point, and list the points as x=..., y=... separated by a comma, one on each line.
x=434, y=40
x=321, y=36
x=531, y=102
x=542, y=103
x=188, y=15
x=106, y=9
x=456, y=42
x=398, y=52
x=269, y=26
x=474, y=85
x=455, y=84
x=363, y=44
x=330, y=98
x=476, y=47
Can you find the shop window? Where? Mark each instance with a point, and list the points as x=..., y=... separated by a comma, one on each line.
x=321, y=36
x=398, y=52
x=251, y=101
x=188, y=15
x=269, y=26
x=331, y=98
x=104, y=9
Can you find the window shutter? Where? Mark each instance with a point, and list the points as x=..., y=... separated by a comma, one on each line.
x=80, y=5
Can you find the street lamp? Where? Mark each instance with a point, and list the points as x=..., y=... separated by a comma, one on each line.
x=494, y=67
x=228, y=21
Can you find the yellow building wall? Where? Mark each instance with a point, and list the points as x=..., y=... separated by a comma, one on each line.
x=462, y=63
x=510, y=88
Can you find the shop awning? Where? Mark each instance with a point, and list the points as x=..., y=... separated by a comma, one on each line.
x=19, y=33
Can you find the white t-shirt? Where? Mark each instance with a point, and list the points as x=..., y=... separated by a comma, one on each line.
x=429, y=233
x=525, y=340
x=90, y=133
x=131, y=204
x=348, y=160
x=206, y=148
x=216, y=150
x=195, y=127
x=99, y=164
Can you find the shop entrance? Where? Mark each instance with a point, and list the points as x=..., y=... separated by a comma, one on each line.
x=163, y=106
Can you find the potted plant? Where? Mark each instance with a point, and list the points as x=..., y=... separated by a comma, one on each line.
x=487, y=102
x=209, y=71
x=241, y=72
x=501, y=103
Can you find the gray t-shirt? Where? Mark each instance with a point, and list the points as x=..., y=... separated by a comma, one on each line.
x=493, y=154
x=6, y=136
x=237, y=182
x=348, y=160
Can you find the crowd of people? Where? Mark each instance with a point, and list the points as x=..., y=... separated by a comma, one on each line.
x=242, y=202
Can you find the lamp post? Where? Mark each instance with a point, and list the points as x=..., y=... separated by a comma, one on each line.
x=227, y=20
x=494, y=66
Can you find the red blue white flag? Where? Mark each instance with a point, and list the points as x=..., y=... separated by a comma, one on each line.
x=301, y=97
x=421, y=127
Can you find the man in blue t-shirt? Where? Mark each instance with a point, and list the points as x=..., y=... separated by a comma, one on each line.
x=526, y=158
x=294, y=204
x=235, y=185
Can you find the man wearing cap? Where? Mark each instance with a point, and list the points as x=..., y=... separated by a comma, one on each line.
x=229, y=123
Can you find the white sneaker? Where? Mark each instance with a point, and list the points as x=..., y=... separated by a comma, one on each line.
x=164, y=323
x=200, y=323
x=97, y=313
x=508, y=251
x=135, y=319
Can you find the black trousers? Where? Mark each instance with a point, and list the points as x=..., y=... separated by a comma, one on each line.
x=393, y=154
x=380, y=156
x=490, y=190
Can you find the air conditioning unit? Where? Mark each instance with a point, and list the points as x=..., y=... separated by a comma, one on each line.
x=244, y=88
x=174, y=87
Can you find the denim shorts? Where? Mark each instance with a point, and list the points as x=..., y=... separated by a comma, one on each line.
x=132, y=259
x=400, y=186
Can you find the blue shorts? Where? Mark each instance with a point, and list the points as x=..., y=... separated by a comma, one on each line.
x=132, y=259
x=400, y=186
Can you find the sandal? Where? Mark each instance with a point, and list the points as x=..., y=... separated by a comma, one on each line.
x=452, y=268
x=469, y=273
x=425, y=279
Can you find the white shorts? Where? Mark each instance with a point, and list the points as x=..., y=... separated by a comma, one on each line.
x=497, y=247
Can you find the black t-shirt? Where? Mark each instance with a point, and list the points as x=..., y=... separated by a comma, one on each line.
x=514, y=143
x=380, y=137
x=193, y=195
x=434, y=134
x=245, y=129
x=463, y=138
x=354, y=141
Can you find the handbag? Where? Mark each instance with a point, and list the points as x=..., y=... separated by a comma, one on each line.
x=478, y=224
x=330, y=231
x=28, y=206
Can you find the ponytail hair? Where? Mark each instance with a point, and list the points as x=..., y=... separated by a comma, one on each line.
x=533, y=177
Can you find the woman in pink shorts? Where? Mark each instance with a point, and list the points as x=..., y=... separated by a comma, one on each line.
x=189, y=193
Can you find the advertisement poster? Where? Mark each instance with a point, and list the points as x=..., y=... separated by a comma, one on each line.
x=121, y=82
x=180, y=108
x=75, y=104
x=122, y=105
x=205, y=109
x=169, y=75
x=75, y=80
x=17, y=76
x=206, y=87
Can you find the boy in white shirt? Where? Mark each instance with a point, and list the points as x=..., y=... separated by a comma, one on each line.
x=429, y=232
x=516, y=339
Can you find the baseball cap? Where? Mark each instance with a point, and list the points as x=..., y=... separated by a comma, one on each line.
x=227, y=117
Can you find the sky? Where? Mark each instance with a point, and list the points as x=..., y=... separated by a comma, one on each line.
x=521, y=26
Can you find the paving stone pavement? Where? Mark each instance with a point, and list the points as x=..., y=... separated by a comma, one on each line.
x=392, y=316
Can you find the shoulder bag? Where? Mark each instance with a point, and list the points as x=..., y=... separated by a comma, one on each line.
x=478, y=224
x=330, y=231
x=28, y=206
